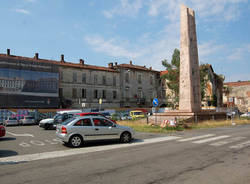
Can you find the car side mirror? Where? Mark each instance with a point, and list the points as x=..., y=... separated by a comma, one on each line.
x=114, y=125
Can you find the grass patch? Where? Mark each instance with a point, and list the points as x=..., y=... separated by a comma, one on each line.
x=142, y=126
x=218, y=123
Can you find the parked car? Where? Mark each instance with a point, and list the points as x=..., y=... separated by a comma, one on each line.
x=93, y=114
x=11, y=121
x=136, y=114
x=58, y=119
x=2, y=131
x=125, y=116
x=77, y=130
x=247, y=115
x=27, y=120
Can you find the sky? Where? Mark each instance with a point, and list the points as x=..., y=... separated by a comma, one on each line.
x=143, y=31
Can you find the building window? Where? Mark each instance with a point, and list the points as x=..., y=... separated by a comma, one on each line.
x=127, y=77
x=74, y=93
x=151, y=80
x=60, y=92
x=139, y=93
x=95, y=79
x=127, y=93
x=139, y=78
x=114, y=80
x=114, y=94
x=74, y=77
x=83, y=93
x=95, y=94
x=61, y=75
x=103, y=94
x=104, y=80
x=84, y=78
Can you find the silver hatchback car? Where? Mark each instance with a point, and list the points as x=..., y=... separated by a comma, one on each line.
x=89, y=128
x=28, y=120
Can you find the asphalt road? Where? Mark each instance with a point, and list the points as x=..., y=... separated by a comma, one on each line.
x=220, y=155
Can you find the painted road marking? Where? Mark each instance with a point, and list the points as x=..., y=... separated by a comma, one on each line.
x=39, y=143
x=196, y=137
x=211, y=139
x=241, y=145
x=221, y=143
x=20, y=135
x=63, y=153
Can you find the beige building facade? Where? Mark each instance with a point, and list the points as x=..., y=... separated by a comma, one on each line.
x=237, y=94
x=84, y=85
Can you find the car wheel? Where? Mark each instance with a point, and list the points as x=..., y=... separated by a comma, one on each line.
x=125, y=137
x=75, y=141
x=46, y=126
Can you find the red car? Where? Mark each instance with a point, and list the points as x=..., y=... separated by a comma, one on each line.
x=2, y=131
x=93, y=114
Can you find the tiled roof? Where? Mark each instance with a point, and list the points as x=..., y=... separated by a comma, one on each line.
x=68, y=64
x=163, y=72
x=137, y=67
x=240, y=83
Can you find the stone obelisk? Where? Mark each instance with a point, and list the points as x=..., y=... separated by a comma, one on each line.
x=190, y=94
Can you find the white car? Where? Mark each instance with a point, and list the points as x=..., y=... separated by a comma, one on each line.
x=247, y=114
x=28, y=120
x=11, y=121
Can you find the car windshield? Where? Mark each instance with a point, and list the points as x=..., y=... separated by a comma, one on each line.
x=54, y=117
x=58, y=116
x=12, y=118
x=105, y=113
x=68, y=121
x=137, y=113
x=29, y=117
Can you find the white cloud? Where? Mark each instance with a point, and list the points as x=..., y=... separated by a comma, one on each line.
x=152, y=47
x=210, y=9
x=239, y=53
x=23, y=11
x=144, y=50
x=126, y=7
x=110, y=47
x=209, y=48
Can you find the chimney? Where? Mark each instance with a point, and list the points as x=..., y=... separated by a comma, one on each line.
x=8, y=52
x=110, y=65
x=36, y=56
x=81, y=61
x=115, y=63
x=150, y=68
x=144, y=66
x=62, y=59
x=130, y=62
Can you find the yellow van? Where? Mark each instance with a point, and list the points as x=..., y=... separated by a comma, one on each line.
x=136, y=114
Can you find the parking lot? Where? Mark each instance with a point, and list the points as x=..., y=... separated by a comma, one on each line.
x=22, y=140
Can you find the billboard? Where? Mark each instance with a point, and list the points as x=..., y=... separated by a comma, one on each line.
x=27, y=83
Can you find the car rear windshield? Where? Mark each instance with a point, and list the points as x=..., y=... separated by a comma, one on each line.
x=29, y=118
x=68, y=121
x=12, y=119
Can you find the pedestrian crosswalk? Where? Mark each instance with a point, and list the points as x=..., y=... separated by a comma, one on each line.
x=196, y=137
x=211, y=139
x=218, y=140
x=228, y=141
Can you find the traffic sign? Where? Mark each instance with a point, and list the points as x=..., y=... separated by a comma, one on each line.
x=155, y=102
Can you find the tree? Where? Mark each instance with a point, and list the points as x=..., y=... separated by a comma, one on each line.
x=173, y=69
x=172, y=77
x=203, y=79
x=173, y=74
